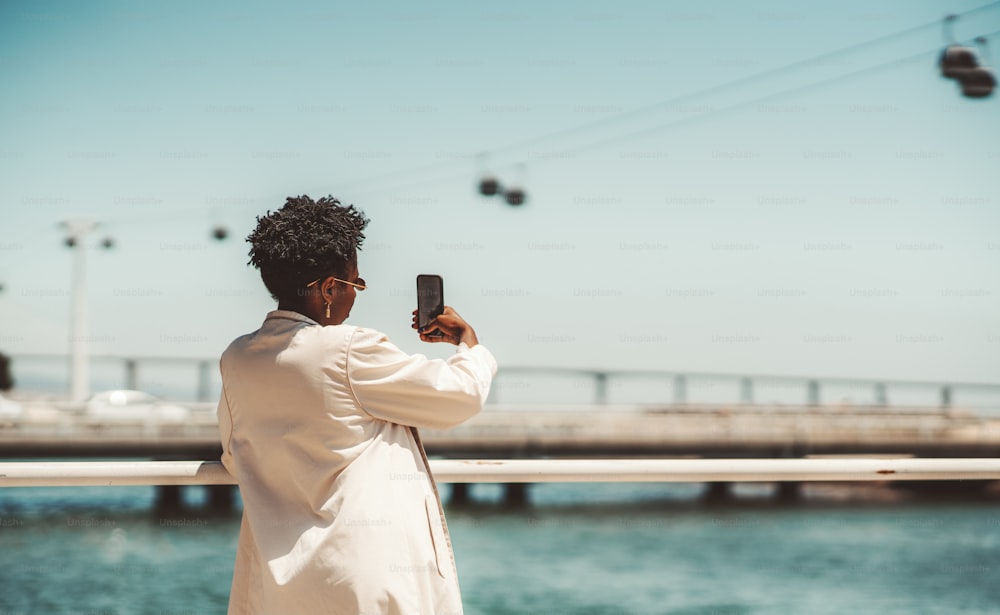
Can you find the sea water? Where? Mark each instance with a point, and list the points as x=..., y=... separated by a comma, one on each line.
x=599, y=549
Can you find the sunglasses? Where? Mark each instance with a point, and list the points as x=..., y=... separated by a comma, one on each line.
x=360, y=284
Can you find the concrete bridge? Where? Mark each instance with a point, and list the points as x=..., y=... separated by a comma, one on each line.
x=534, y=431
x=550, y=431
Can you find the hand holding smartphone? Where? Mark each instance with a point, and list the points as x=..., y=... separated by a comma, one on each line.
x=448, y=325
x=430, y=300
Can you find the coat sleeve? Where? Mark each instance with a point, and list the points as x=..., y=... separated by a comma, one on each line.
x=413, y=389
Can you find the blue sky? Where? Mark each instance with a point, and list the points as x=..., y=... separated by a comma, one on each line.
x=847, y=228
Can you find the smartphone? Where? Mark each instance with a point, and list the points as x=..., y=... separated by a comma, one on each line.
x=430, y=298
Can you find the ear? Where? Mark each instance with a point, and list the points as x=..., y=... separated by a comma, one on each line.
x=328, y=289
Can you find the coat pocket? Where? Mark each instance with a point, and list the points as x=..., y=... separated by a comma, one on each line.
x=434, y=526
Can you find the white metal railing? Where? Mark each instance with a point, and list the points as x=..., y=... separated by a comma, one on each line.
x=117, y=473
x=601, y=385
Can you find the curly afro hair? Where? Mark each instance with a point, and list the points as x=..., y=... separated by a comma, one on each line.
x=305, y=240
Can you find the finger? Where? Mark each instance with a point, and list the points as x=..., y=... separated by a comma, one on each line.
x=433, y=339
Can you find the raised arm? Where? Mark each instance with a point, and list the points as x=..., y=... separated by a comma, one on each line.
x=413, y=389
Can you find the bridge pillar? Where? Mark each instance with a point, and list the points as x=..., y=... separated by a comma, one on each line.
x=813, y=392
x=881, y=394
x=131, y=374
x=680, y=389
x=221, y=498
x=600, y=388
x=515, y=494
x=746, y=391
x=168, y=499
x=204, y=380
x=789, y=492
x=459, y=494
x=718, y=493
x=946, y=396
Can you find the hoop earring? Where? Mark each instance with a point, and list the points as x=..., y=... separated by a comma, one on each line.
x=328, y=309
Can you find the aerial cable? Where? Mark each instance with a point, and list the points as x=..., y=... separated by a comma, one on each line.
x=673, y=101
x=767, y=98
x=709, y=114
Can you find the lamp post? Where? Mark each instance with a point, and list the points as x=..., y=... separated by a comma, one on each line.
x=76, y=230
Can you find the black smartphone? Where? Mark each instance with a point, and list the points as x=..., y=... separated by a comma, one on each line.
x=430, y=298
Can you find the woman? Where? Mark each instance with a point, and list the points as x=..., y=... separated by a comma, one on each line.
x=318, y=425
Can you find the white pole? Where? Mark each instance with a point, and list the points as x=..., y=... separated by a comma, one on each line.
x=107, y=473
x=78, y=340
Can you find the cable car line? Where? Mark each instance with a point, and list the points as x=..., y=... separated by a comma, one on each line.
x=676, y=100
x=705, y=115
x=764, y=99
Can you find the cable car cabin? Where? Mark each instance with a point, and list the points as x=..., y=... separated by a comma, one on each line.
x=978, y=83
x=957, y=60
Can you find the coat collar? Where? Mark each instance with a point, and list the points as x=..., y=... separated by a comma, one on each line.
x=289, y=315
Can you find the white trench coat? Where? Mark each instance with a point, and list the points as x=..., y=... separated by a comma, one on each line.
x=340, y=511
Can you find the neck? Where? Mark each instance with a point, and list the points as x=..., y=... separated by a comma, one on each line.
x=318, y=313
